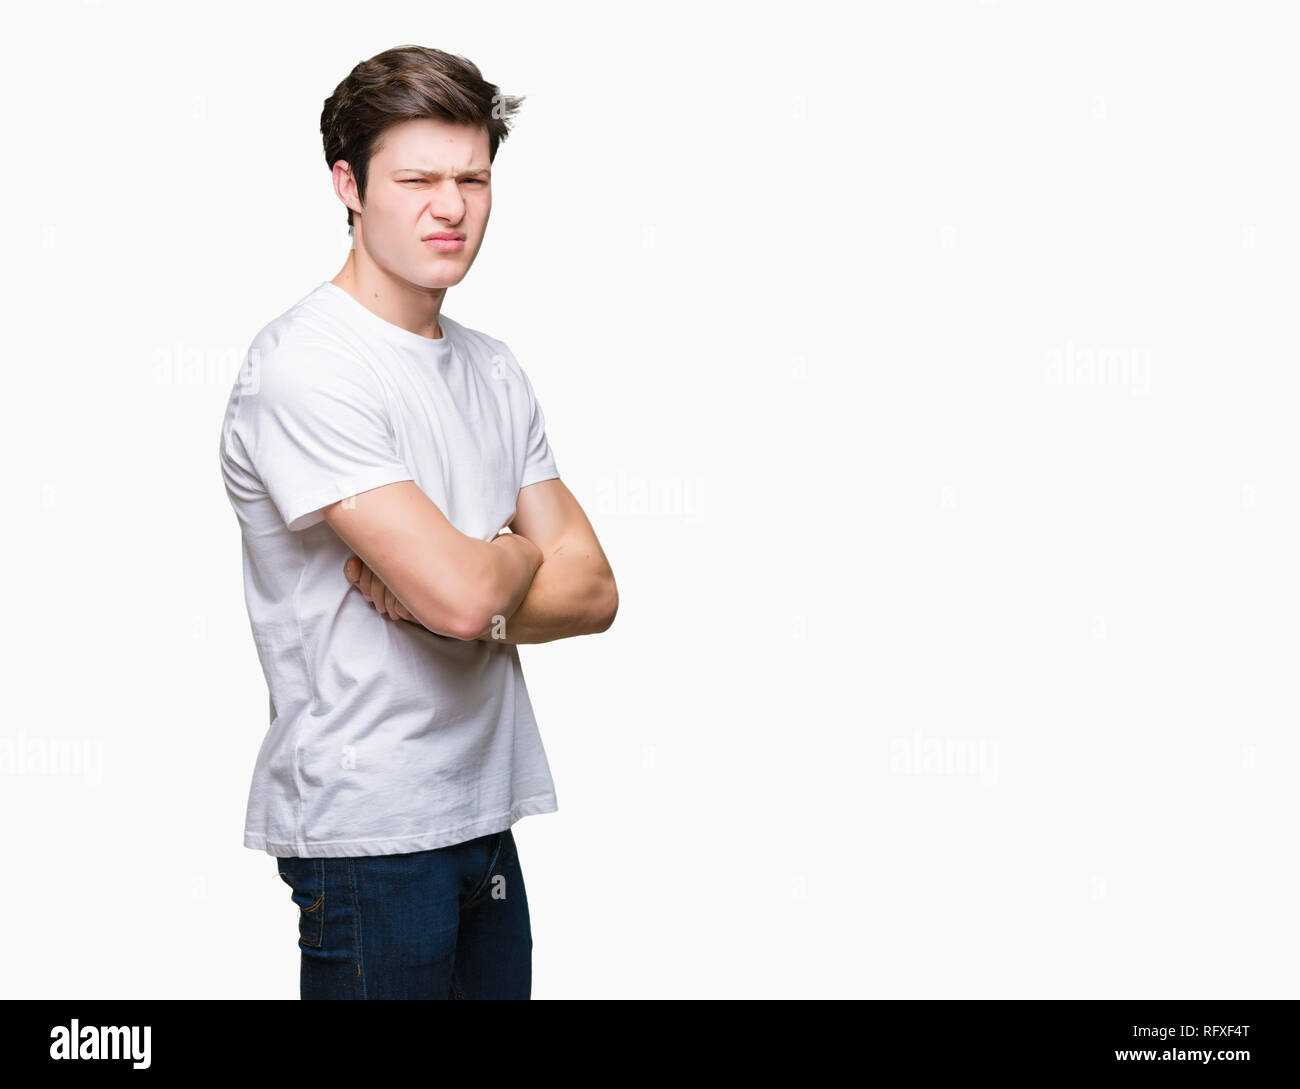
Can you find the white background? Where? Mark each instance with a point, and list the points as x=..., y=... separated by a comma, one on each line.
x=928, y=372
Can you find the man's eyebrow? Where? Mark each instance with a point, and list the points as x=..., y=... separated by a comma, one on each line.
x=484, y=171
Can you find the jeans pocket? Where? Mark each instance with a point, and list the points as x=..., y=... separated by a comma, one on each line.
x=306, y=877
x=496, y=842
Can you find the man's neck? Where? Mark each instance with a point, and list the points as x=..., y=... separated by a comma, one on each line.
x=415, y=310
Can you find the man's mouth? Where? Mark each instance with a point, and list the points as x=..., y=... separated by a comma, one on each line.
x=445, y=241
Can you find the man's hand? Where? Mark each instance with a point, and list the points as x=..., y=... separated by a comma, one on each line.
x=381, y=598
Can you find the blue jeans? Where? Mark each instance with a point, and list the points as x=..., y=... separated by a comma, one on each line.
x=446, y=923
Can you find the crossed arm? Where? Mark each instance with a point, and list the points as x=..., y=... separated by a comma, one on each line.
x=547, y=579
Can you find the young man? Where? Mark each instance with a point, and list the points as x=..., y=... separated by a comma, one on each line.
x=373, y=449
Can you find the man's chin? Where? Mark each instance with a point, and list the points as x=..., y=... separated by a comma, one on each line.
x=426, y=281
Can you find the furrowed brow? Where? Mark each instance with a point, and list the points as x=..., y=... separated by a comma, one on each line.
x=481, y=173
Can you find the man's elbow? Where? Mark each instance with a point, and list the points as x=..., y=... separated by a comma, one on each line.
x=450, y=624
x=609, y=607
x=469, y=629
x=482, y=602
x=476, y=617
x=460, y=616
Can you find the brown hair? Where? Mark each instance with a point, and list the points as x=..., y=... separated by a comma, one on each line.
x=407, y=83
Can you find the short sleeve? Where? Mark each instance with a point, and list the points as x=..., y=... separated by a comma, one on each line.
x=316, y=429
x=539, y=461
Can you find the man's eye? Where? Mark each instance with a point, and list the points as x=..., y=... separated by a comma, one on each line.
x=476, y=181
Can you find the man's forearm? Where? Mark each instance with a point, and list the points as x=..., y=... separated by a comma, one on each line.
x=567, y=597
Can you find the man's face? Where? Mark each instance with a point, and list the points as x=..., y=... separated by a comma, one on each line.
x=426, y=178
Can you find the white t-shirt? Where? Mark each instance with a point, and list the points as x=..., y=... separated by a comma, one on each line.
x=385, y=737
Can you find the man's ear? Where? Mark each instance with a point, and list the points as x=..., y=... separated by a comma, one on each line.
x=345, y=186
